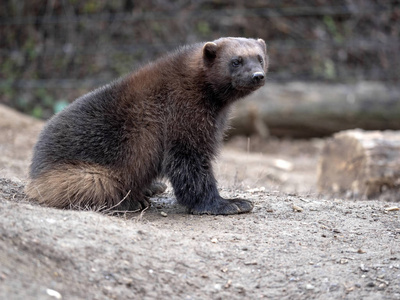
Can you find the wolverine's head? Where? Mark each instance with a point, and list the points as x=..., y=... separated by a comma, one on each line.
x=239, y=63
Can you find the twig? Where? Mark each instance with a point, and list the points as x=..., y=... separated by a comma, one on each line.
x=123, y=199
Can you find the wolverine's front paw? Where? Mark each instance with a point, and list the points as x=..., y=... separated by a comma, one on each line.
x=223, y=207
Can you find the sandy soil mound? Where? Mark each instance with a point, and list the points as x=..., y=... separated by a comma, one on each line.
x=294, y=245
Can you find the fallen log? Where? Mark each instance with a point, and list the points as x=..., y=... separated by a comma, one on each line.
x=305, y=110
x=361, y=164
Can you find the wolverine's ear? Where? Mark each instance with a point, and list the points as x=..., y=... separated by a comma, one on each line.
x=263, y=45
x=210, y=50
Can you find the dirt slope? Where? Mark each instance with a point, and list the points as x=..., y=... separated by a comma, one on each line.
x=294, y=245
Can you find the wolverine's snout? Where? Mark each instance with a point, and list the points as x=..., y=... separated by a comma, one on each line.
x=258, y=77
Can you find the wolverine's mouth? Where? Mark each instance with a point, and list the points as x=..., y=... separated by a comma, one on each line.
x=250, y=87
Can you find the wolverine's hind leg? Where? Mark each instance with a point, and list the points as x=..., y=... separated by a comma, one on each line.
x=84, y=186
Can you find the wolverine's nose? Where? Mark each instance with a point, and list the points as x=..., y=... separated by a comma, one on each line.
x=258, y=77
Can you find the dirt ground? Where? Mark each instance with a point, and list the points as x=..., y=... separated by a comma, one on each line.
x=296, y=244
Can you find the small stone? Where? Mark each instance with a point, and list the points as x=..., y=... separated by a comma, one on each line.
x=228, y=284
x=214, y=240
x=164, y=214
x=370, y=284
x=53, y=293
x=381, y=286
x=309, y=287
x=297, y=208
x=364, y=268
x=392, y=208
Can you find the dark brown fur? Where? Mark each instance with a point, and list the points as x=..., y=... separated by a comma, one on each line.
x=165, y=120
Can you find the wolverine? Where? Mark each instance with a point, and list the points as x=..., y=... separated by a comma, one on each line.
x=108, y=148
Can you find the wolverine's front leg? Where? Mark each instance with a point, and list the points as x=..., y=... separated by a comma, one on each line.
x=192, y=178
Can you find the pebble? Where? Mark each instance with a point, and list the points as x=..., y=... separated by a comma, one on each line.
x=53, y=293
x=392, y=208
x=297, y=208
x=370, y=284
x=164, y=214
x=381, y=286
x=309, y=287
x=228, y=284
x=364, y=268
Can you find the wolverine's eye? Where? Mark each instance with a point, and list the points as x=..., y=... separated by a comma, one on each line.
x=260, y=59
x=236, y=62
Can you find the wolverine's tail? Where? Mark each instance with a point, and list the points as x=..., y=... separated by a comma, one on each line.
x=77, y=186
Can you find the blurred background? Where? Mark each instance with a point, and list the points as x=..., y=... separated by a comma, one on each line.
x=52, y=51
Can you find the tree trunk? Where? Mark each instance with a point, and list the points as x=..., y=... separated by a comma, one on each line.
x=304, y=110
x=361, y=163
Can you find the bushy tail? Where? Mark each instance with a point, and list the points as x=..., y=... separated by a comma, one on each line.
x=83, y=186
